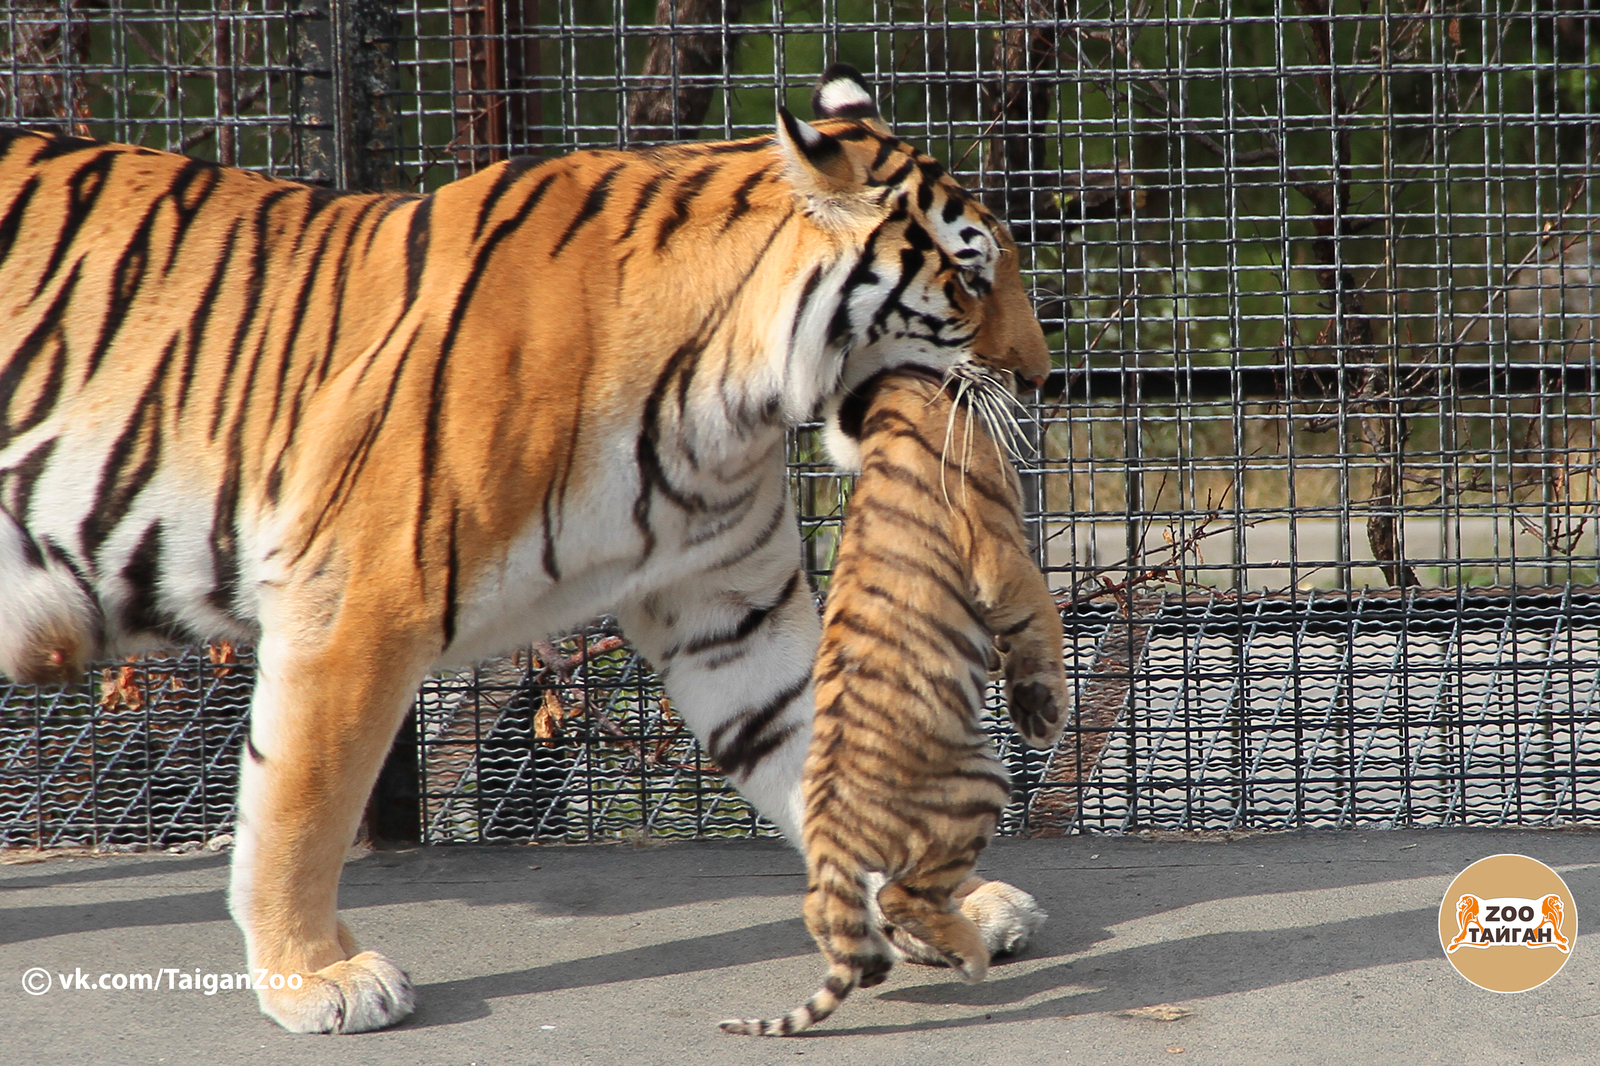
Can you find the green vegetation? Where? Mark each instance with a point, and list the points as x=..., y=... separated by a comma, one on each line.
x=1334, y=266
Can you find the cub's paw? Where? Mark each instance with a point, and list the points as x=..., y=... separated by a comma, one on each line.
x=971, y=970
x=1006, y=917
x=353, y=996
x=875, y=968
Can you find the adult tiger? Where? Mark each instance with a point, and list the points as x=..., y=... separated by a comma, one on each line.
x=375, y=434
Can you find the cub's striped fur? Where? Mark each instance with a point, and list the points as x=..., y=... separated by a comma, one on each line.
x=375, y=434
x=933, y=572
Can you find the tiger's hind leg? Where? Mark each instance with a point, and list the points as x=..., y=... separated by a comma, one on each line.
x=734, y=649
x=321, y=723
x=929, y=913
x=50, y=626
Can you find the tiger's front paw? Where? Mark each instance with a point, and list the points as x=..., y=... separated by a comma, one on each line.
x=352, y=996
x=1006, y=917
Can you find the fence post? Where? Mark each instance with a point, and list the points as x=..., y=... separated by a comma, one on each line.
x=368, y=32
x=315, y=98
x=346, y=53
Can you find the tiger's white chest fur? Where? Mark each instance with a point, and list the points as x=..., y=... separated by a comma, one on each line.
x=606, y=560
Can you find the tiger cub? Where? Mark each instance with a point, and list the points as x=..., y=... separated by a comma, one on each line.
x=900, y=781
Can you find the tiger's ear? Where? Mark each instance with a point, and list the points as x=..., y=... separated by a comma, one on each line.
x=816, y=162
x=841, y=92
x=832, y=184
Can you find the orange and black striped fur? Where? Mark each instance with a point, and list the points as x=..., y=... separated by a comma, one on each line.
x=933, y=574
x=376, y=434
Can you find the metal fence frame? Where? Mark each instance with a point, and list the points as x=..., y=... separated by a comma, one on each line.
x=1316, y=475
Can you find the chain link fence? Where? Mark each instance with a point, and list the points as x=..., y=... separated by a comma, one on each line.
x=1315, y=477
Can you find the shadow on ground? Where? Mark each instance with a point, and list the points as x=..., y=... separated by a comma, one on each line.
x=1133, y=922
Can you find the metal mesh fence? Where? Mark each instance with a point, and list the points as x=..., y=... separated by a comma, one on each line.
x=145, y=754
x=1315, y=475
x=222, y=80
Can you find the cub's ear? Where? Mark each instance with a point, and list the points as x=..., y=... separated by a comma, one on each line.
x=842, y=93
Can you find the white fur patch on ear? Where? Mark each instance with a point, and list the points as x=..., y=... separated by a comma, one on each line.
x=838, y=95
x=841, y=93
x=809, y=136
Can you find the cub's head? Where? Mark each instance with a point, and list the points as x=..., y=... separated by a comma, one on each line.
x=928, y=275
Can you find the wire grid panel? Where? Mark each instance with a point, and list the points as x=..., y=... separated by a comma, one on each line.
x=1366, y=711
x=1340, y=331
x=241, y=82
x=1319, y=278
x=143, y=755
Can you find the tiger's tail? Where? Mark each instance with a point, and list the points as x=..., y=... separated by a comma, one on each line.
x=49, y=624
x=858, y=955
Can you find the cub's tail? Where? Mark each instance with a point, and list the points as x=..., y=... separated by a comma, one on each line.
x=838, y=918
x=841, y=981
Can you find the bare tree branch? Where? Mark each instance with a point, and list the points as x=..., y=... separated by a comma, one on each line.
x=671, y=105
x=1100, y=702
x=48, y=37
x=1350, y=330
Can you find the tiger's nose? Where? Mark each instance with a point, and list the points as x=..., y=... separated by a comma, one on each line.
x=1037, y=381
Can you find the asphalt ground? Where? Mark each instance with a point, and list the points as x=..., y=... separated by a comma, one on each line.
x=1274, y=949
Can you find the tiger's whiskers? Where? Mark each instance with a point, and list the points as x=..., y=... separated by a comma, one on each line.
x=962, y=386
x=996, y=405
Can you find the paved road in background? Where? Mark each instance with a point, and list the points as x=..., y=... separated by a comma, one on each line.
x=1282, y=949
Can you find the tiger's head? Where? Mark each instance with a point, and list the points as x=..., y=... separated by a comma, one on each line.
x=934, y=278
